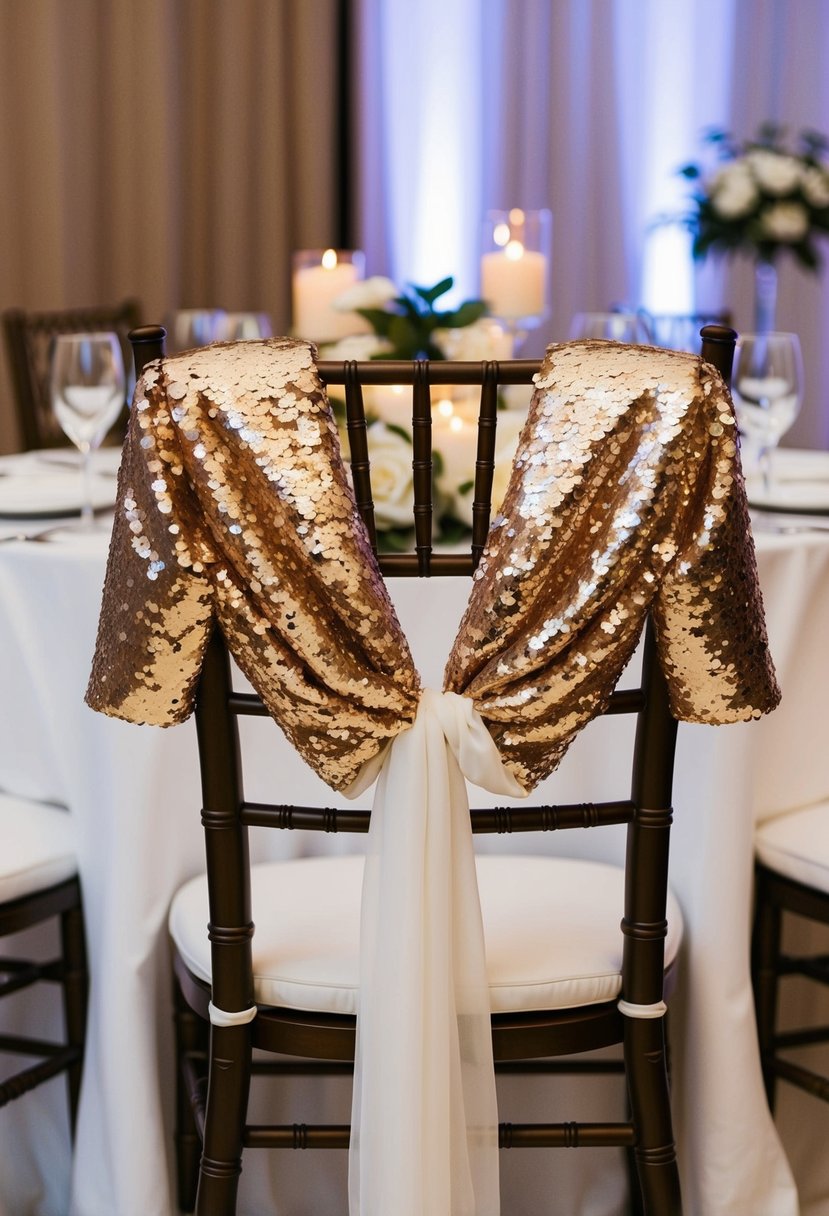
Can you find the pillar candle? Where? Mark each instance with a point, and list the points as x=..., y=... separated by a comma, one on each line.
x=513, y=281
x=314, y=290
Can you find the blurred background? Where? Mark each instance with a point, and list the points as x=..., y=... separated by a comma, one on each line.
x=179, y=151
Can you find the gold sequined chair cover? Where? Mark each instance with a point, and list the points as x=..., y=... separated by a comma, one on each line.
x=625, y=499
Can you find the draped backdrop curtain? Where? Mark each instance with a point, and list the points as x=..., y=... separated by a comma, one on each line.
x=177, y=151
x=180, y=150
x=588, y=107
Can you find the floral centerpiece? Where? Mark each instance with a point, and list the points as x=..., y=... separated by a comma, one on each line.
x=762, y=198
x=409, y=325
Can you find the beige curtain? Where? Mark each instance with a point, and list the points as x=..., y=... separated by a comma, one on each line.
x=177, y=151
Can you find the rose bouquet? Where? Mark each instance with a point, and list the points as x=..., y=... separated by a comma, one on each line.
x=409, y=325
x=761, y=197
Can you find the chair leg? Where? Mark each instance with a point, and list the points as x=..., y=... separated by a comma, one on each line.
x=191, y=1035
x=227, y=1099
x=75, y=987
x=655, y=1151
x=765, y=954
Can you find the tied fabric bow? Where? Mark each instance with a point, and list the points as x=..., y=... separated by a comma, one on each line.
x=424, y=1117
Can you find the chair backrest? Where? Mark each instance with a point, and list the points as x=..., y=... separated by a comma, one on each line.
x=645, y=807
x=29, y=337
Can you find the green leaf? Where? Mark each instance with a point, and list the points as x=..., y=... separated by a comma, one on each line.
x=395, y=540
x=469, y=311
x=466, y=487
x=399, y=430
x=437, y=463
x=409, y=308
x=430, y=294
x=451, y=529
x=403, y=336
x=690, y=171
x=379, y=320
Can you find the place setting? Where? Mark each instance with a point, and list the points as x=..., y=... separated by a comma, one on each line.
x=87, y=390
x=788, y=488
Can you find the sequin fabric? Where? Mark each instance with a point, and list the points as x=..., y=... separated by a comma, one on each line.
x=234, y=505
x=626, y=495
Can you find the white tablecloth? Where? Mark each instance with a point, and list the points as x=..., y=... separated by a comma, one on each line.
x=133, y=795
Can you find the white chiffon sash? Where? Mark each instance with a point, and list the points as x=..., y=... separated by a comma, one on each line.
x=424, y=1138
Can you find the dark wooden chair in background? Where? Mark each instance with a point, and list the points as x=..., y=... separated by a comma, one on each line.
x=38, y=883
x=792, y=878
x=216, y=1062
x=28, y=338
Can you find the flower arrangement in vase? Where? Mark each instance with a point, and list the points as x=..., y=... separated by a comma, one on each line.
x=765, y=199
x=407, y=325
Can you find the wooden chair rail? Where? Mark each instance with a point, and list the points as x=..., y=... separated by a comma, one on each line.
x=489, y=820
x=22, y=973
x=625, y=701
x=58, y=1060
x=510, y=1135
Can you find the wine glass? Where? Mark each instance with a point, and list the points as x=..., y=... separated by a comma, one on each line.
x=613, y=326
x=242, y=326
x=767, y=386
x=87, y=389
x=191, y=327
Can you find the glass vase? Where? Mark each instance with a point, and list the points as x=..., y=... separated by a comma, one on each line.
x=765, y=297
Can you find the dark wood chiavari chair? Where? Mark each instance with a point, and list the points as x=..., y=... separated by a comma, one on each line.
x=29, y=337
x=39, y=883
x=216, y=1062
x=792, y=882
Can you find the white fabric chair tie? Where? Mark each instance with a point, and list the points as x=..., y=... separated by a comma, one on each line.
x=424, y=1133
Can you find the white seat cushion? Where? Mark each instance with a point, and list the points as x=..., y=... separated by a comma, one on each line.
x=35, y=847
x=796, y=845
x=552, y=931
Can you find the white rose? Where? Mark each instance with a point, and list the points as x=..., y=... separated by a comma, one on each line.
x=355, y=346
x=483, y=339
x=775, y=172
x=391, y=477
x=785, y=222
x=815, y=186
x=732, y=191
x=459, y=466
x=375, y=292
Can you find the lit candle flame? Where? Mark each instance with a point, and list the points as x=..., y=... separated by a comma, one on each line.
x=329, y=259
x=514, y=251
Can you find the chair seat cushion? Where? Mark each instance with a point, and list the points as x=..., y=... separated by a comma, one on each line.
x=551, y=924
x=36, y=848
x=796, y=845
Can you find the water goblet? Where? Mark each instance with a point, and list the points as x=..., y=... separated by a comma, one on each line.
x=87, y=387
x=767, y=386
x=611, y=326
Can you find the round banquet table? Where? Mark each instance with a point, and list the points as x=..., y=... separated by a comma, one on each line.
x=134, y=799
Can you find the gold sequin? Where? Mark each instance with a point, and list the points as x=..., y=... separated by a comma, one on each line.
x=234, y=505
x=626, y=495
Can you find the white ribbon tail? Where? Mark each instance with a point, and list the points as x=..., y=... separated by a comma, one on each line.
x=424, y=1133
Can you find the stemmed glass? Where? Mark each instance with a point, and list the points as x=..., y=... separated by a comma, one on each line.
x=612, y=326
x=87, y=389
x=767, y=386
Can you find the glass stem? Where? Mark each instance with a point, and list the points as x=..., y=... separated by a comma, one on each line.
x=87, y=513
x=766, y=454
